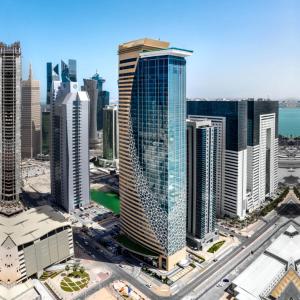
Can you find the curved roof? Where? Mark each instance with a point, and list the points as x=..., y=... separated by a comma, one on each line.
x=31, y=224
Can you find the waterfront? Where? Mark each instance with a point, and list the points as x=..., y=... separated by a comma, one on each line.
x=289, y=121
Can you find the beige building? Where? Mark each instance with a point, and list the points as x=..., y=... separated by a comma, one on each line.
x=30, y=117
x=32, y=241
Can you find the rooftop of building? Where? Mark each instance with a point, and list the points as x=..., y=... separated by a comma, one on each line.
x=145, y=42
x=168, y=51
x=274, y=270
x=31, y=224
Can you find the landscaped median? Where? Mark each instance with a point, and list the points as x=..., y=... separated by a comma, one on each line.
x=215, y=247
x=269, y=207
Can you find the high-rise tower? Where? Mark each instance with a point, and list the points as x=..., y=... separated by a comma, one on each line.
x=152, y=147
x=69, y=147
x=262, y=148
x=90, y=86
x=201, y=181
x=30, y=117
x=10, y=140
x=110, y=132
x=230, y=118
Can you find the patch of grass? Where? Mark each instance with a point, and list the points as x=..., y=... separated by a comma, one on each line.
x=66, y=288
x=215, y=247
x=68, y=285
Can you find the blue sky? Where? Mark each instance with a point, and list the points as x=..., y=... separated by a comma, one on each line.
x=242, y=48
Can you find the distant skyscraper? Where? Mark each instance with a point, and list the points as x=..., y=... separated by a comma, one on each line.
x=231, y=115
x=103, y=100
x=90, y=86
x=10, y=118
x=52, y=75
x=30, y=117
x=110, y=132
x=262, y=151
x=69, y=71
x=152, y=96
x=201, y=181
x=69, y=154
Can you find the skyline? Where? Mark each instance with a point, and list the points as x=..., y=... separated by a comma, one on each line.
x=241, y=50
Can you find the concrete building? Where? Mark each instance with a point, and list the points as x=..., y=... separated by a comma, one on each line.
x=32, y=241
x=69, y=155
x=90, y=86
x=30, y=117
x=110, y=132
x=10, y=119
x=201, y=182
x=230, y=118
x=275, y=273
x=262, y=151
x=152, y=157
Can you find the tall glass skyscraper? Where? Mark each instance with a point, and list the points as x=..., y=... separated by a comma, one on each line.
x=152, y=87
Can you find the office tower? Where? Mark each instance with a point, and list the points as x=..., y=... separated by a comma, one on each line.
x=45, y=130
x=262, y=151
x=110, y=132
x=231, y=115
x=69, y=71
x=90, y=86
x=152, y=149
x=10, y=118
x=30, y=117
x=201, y=181
x=52, y=75
x=69, y=155
x=103, y=100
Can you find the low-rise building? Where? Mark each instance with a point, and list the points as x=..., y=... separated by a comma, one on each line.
x=32, y=241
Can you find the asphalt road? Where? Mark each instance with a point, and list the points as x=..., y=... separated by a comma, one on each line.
x=233, y=259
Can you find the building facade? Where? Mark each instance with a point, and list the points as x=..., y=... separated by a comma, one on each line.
x=10, y=120
x=30, y=117
x=32, y=241
x=52, y=75
x=69, y=156
x=102, y=101
x=152, y=156
x=201, y=182
x=231, y=115
x=90, y=86
x=262, y=151
x=110, y=132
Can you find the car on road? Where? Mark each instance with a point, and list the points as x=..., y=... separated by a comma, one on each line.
x=148, y=285
x=121, y=266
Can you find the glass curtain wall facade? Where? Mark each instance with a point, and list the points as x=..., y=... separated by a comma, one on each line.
x=155, y=146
